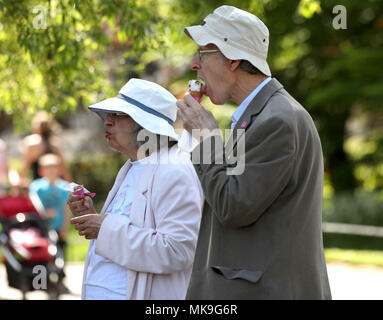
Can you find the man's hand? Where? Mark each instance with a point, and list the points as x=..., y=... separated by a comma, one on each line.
x=197, y=120
x=80, y=205
x=88, y=225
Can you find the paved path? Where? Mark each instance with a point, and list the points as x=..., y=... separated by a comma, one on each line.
x=348, y=282
x=352, y=282
x=73, y=281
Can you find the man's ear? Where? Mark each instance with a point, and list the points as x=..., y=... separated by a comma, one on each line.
x=234, y=64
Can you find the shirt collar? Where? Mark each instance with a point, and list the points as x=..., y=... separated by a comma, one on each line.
x=242, y=107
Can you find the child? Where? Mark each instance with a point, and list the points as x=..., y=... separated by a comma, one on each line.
x=50, y=189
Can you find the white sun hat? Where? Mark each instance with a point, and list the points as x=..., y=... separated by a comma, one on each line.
x=147, y=103
x=238, y=35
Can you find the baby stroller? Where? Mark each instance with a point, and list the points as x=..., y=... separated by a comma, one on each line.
x=32, y=258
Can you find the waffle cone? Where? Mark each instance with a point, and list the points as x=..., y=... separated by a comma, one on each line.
x=196, y=94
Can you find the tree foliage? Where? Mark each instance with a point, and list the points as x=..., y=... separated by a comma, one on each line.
x=334, y=74
x=88, y=49
x=51, y=52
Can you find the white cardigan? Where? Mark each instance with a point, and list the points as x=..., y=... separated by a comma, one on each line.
x=157, y=243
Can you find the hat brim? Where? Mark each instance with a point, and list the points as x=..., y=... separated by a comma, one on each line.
x=145, y=119
x=203, y=38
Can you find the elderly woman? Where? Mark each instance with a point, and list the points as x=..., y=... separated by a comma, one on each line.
x=144, y=240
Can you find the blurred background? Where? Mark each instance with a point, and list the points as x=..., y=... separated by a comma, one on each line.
x=62, y=56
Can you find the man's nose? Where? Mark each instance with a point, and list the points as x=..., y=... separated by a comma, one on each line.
x=195, y=64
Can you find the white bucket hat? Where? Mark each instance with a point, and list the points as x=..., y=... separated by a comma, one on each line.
x=238, y=35
x=147, y=103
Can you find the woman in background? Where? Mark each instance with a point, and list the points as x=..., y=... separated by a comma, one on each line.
x=40, y=142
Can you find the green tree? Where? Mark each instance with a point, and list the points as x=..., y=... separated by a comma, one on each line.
x=52, y=52
x=332, y=73
x=72, y=62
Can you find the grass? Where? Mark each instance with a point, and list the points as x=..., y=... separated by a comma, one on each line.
x=355, y=256
x=76, y=249
x=78, y=246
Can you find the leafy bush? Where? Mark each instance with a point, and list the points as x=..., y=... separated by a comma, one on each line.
x=360, y=208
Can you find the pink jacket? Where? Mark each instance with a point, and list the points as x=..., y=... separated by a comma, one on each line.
x=157, y=243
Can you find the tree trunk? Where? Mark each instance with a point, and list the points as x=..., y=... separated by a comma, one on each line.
x=339, y=166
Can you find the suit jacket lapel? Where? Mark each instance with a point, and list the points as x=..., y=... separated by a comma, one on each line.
x=254, y=108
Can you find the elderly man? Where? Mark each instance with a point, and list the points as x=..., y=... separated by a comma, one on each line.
x=144, y=241
x=260, y=235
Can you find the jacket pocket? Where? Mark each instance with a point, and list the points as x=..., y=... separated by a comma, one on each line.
x=237, y=273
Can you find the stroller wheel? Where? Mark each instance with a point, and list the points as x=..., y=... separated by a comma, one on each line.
x=24, y=286
x=53, y=295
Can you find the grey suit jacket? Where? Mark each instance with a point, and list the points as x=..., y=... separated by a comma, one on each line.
x=260, y=234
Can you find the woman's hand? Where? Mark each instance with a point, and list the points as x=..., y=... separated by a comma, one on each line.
x=80, y=205
x=88, y=225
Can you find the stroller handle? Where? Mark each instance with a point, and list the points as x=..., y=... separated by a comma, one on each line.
x=35, y=199
x=8, y=254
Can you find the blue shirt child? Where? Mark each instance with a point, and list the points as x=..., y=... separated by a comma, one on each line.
x=52, y=197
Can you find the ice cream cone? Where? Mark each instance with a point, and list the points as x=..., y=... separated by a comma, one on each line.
x=196, y=95
x=195, y=90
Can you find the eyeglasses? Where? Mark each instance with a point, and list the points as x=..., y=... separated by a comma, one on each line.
x=200, y=52
x=114, y=115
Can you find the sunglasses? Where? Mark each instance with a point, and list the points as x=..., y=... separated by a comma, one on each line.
x=114, y=115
